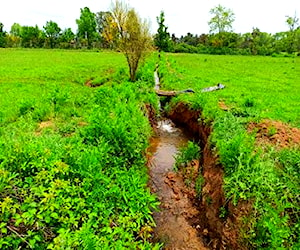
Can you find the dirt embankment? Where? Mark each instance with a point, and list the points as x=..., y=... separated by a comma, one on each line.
x=218, y=222
x=275, y=133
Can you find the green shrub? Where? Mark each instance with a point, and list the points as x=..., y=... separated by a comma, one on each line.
x=186, y=154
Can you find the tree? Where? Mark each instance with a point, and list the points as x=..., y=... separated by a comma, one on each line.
x=162, y=39
x=67, y=37
x=107, y=29
x=292, y=22
x=13, y=39
x=87, y=25
x=52, y=32
x=101, y=20
x=222, y=19
x=2, y=36
x=30, y=36
x=16, y=30
x=133, y=36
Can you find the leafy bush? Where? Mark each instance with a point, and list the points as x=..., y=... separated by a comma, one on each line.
x=186, y=154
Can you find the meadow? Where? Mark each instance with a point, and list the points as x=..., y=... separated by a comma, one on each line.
x=72, y=158
x=266, y=86
x=257, y=169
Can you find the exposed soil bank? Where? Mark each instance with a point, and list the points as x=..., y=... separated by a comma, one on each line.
x=275, y=133
x=174, y=227
x=220, y=233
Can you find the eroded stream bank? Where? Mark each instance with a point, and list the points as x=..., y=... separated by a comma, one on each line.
x=177, y=210
x=186, y=219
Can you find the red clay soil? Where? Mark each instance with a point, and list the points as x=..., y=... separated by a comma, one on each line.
x=275, y=133
x=219, y=233
x=223, y=106
x=43, y=125
x=89, y=83
x=151, y=114
x=176, y=220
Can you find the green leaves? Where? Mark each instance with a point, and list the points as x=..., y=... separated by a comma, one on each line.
x=78, y=179
x=188, y=153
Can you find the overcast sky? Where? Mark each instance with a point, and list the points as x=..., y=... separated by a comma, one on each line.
x=181, y=16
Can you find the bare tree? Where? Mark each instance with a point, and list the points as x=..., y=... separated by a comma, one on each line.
x=134, y=38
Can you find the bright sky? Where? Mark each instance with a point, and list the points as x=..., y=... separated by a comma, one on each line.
x=181, y=16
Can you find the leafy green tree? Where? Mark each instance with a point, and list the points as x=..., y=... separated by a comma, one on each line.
x=261, y=43
x=66, y=39
x=16, y=30
x=52, y=32
x=134, y=35
x=67, y=35
x=32, y=37
x=2, y=35
x=190, y=39
x=13, y=39
x=162, y=39
x=222, y=19
x=87, y=26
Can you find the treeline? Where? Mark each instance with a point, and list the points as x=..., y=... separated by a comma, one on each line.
x=88, y=34
x=254, y=43
x=95, y=30
x=222, y=40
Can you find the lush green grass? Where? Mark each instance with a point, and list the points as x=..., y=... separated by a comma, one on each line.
x=266, y=86
x=72, y=158
x=256, y=88
x=29, y=76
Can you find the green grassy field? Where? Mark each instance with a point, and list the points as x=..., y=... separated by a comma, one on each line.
x=267, y=86
x=257, y=88
x=72, y=158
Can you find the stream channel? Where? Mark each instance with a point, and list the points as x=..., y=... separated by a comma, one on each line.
x=173, y=220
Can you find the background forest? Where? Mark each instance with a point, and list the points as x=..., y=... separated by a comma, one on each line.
x=95, y=31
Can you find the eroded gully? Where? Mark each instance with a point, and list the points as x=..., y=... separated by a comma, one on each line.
x=174, y=227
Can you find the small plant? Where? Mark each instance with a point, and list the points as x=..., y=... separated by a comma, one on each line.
x=272, y=131
x=208, y=200
x=188, y=153
x=223, y=212
x=249, y=102
x=198, y=185
x=26, y=106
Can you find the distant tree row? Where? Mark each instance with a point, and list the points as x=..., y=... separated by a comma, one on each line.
x=100, y=30
x=222, y=40
x=52, y=36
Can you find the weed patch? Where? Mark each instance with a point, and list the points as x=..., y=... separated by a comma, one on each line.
x=64, y=185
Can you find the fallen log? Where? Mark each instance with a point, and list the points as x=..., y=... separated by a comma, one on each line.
x=165, y=93
x=172, y=93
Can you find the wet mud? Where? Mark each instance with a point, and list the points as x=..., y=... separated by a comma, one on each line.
x=219, y=232
x=177, y=210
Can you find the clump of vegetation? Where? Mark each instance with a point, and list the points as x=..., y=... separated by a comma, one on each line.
x=186, y=154
x=78, y=179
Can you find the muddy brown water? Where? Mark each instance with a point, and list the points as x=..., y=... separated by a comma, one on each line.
x=176, y=209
